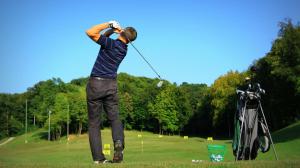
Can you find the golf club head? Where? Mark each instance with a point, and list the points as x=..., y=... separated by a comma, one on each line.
x=160, y=83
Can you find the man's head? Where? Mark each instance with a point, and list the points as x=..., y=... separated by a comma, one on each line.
x=129, y=34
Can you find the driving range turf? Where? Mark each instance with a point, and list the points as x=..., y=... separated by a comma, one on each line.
x=166, y=151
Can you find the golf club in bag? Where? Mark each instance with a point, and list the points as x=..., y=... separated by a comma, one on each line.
x=251, y=131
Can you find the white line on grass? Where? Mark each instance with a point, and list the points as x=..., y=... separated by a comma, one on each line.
x=8, y=140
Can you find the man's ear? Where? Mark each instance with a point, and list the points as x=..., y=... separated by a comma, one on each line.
x=125, y=38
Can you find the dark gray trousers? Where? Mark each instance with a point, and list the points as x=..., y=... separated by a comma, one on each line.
x=102, y=93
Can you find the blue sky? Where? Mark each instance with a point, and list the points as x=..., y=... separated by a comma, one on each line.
x=191, y=41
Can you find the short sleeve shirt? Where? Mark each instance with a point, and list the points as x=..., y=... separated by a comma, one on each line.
x=111, y=54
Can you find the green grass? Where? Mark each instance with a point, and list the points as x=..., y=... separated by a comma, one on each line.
x=168, y=151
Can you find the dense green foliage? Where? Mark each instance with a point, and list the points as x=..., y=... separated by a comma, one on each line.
x=279, y=74
x=195, y=109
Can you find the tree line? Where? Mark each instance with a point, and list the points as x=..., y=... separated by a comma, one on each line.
x=193, y=109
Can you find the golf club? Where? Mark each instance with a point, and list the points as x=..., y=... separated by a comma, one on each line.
x=160, y=83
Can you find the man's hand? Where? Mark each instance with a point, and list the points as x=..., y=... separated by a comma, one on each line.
x=114, y=24
x=109, y=32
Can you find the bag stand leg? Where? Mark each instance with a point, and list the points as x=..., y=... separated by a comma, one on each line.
x=273, y=146
x=241, y=130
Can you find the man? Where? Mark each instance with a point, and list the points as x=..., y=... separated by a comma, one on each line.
x=102, y=87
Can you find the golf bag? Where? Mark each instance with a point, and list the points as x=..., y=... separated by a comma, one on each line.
x=250, y=128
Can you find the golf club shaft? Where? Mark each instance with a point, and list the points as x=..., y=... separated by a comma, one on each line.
x=145, y=60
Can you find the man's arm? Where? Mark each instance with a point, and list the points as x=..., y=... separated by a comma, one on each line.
x=108, y=33
x=94, y=32
x=112, y=31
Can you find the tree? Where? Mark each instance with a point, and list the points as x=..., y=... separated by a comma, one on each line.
x=279, y=74
x=164, y=110
x=184, y=108
x=199, y=99
x=15, y=126
x=59, y=115
x=41, y=98
x=126, y=110
x=78, y=108
x=223, y=102
x=142, y=90
x=79, y=82
x=12, y=113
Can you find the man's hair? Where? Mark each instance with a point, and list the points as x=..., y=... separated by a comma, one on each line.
x=130, y=33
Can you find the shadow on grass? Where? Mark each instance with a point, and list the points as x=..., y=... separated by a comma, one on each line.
x=40, y=135
x=287, y=134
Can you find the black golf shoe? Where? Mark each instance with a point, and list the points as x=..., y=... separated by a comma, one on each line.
x=118, y=152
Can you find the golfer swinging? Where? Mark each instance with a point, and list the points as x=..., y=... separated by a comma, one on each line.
x=102, y=87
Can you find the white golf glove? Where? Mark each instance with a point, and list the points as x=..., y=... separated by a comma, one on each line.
x=114, y=24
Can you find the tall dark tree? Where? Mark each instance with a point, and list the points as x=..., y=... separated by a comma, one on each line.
x=279, y=74
x=223, y=102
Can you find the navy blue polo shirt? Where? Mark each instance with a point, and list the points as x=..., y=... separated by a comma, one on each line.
x=111, y=54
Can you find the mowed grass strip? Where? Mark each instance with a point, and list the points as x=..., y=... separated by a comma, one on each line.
x=147, y=151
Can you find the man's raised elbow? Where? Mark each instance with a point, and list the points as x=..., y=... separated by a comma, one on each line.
x=94, y=36
x=87, y=32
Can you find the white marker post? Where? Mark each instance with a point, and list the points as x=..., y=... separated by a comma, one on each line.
x=142, y=142
x=49, y=125
x=68, y=124
x=26, y=123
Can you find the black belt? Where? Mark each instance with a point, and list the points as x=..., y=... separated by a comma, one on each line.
x=99, y=78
